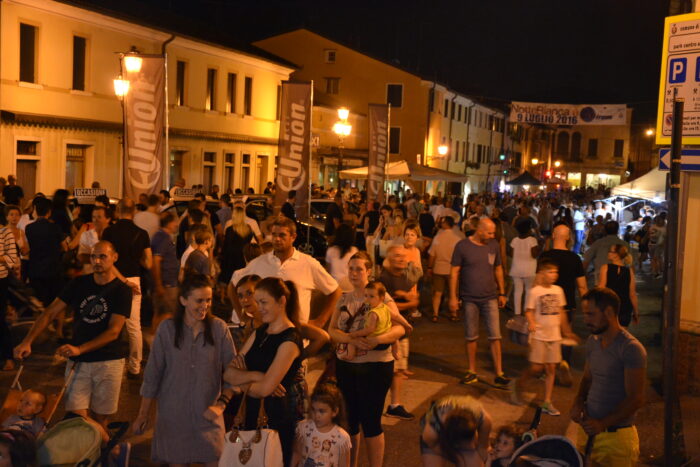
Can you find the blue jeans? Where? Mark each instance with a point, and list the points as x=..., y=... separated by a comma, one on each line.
x=579, y=241
x=487, y=309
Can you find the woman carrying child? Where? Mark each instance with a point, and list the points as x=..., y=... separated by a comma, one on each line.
x=365, y=380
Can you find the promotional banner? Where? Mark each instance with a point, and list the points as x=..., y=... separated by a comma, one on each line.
x=294, y=149
x=568, y=114
x=144, y=111
x=378, y=150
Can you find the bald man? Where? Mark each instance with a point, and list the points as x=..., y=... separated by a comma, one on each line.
x=476, y=278
x=571, y=278
x=102, y=303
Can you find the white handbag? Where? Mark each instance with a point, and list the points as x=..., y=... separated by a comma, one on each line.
x=255, y=448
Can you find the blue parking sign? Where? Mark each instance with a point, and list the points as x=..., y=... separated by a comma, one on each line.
x=676, y=70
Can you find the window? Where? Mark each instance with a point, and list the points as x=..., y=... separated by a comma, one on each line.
x=176, y=158
x=229, y=182
x=211, y=89
x=209, y=167
x=456, y=158
x=459, y=112
x=329, y=55
x=592, y=148
x=332, y=85
x=245, y=172
x=27, y=148
x=180, y=83
x=27, y=53
x=431, y=100
x=75, y=166
x=394, y=94
x=79, y=48
x=563, y=144
x=446, y=107
x=479, y=150
x=619, y=148
x=231, y=93
x=576, y=146
x=464, y=151
x=394, y=140
x=248, y=96
x=452, y=111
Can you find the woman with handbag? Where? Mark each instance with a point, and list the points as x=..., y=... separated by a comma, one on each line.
x=183, y=374
x=268, y=366
x=365, y=380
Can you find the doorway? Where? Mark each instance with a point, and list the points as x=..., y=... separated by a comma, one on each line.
x=262, y=167
x=26, y=177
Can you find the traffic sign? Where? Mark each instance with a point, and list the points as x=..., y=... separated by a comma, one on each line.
x=680, y=77
x=690, y=159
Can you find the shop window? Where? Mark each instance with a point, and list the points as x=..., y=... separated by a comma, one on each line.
x=27, y=53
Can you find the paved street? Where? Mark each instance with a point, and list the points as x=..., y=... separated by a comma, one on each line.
x=437, y=358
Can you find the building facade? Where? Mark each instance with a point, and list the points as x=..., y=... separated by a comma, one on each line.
x=425, y=115
x=580, y=155
x=62, y=123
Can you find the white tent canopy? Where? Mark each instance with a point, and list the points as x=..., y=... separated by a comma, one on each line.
x=650, y=186
x=402, y=170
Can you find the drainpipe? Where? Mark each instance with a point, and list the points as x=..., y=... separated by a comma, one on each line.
x=424, y=159
x=449, y=133
x=488, y=167
x=469, y=122
x=166, y=174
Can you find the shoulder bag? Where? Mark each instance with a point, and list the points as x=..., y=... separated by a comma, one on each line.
x=256, y=448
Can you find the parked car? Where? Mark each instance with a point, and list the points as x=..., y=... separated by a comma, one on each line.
x=319, y=208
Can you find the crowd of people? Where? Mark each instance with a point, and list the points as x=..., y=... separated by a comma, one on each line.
x=230, y=313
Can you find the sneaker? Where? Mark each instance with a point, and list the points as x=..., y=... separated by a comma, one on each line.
x=469, y=378
x=399, y=412
x=549, y=409
x=515, y=397
x=416, y=314
x=564, y=375
x=501, y=380
x=122, y=459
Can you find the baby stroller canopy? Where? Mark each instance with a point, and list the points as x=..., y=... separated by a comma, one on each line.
x=547, y=451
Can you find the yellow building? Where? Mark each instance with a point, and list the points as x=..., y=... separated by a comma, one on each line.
x=588, y=155
x=62, y=123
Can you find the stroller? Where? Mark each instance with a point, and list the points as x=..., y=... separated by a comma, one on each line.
x=546, y=451
x=72, y=441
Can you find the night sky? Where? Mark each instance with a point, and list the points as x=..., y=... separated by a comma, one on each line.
x=585, y=51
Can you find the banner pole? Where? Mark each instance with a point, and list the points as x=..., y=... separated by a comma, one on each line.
x=166, y=160
x=385, y=198
x=308, y=181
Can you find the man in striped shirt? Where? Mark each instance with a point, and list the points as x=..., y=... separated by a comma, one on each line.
x=8, y=259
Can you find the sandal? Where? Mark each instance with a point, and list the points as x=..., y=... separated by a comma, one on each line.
x=454, y=319
x=434, y=318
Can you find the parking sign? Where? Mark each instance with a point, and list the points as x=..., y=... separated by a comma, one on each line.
x=680, y=74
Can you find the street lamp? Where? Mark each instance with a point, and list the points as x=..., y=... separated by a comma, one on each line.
x=442, y=149
x=343, y=129
x=121, y=87
x=535, y=161
x=650, y=132
x=132, y=63
x=557, y=164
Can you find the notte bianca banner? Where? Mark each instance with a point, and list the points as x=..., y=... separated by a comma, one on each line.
x=144, y=112
x=294, y=146
x=378, y=149
x=568, y=114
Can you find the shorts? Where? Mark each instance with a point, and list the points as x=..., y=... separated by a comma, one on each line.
x=441, y=282
x=95, y=386
x=402, y=362
x=616, y=449
x=542, y=352
x=487, y=309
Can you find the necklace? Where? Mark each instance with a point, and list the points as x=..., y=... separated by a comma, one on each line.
x=262, y=342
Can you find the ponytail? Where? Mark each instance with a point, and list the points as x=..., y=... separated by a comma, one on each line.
x=277, y=288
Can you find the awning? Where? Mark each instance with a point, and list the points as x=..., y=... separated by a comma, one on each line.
x=402, y=170
x=525, y=178
x=650, y=186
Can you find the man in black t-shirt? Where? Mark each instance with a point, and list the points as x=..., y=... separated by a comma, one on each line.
x=13, y=193
x=288, y=206
x=334, y=215
x=571, y=277
x=133, y=247
x=101, y=303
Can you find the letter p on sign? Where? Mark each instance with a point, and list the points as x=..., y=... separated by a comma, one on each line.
x=677, y=68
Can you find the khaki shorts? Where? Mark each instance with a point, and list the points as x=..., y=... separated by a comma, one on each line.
x=441, y=282
x=545, y=351
x=402, y=362
x=95, y=386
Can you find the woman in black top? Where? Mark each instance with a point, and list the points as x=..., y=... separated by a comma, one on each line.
x=619, y=277
x=269, y=362
x=237, y=236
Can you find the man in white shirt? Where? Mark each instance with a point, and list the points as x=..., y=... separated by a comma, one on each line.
x=288, y=263
x=440, y=261
x=149, y=220
x=101, y=218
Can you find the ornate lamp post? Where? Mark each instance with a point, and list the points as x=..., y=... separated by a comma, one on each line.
x=342, y=128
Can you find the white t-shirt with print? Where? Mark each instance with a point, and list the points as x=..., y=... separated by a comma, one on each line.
x=329, y=449
x=547, y=303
